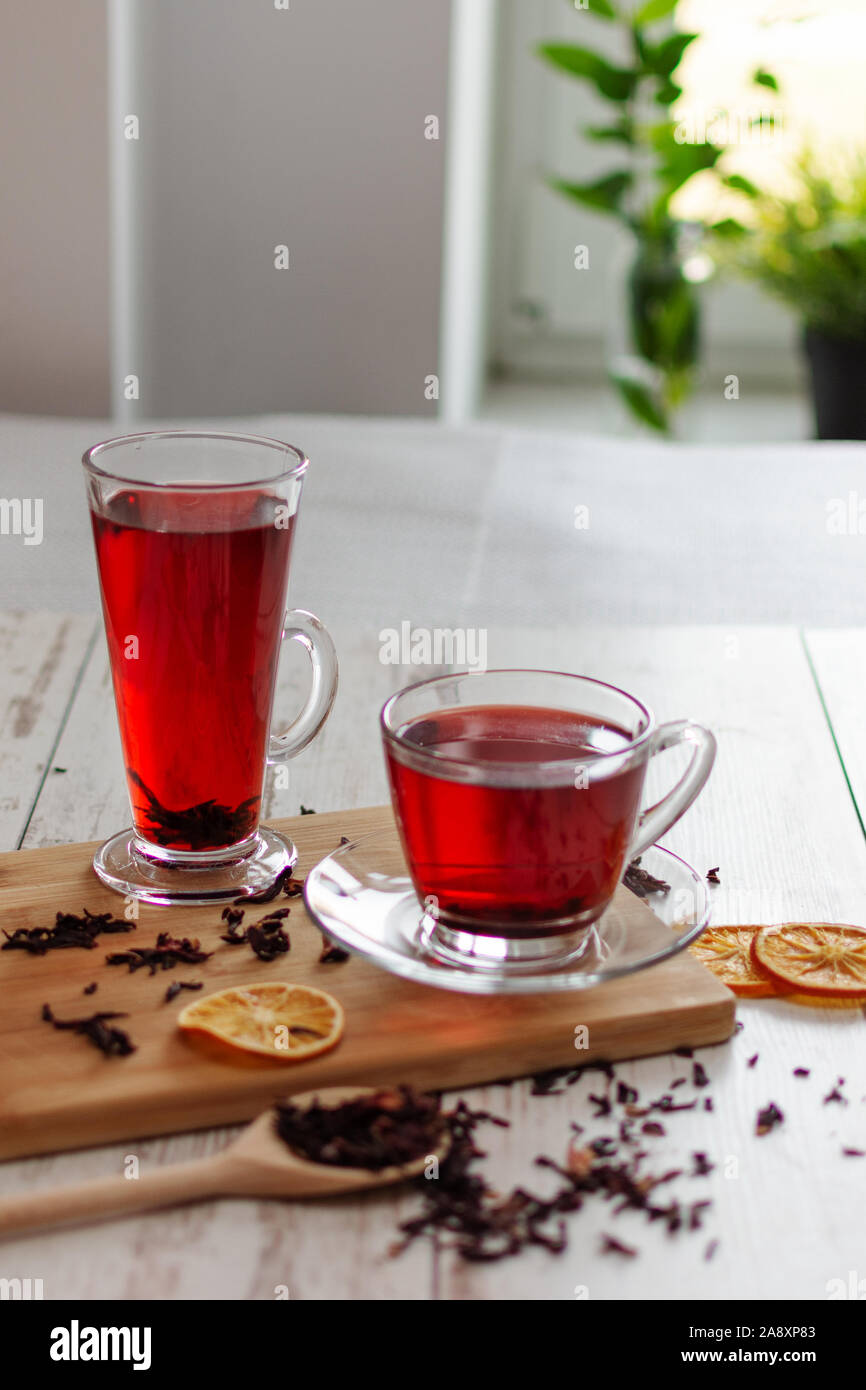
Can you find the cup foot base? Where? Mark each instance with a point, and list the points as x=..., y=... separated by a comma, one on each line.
x=504, y=955
x=121, y=866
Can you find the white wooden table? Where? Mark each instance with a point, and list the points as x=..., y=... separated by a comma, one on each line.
x=779, y=817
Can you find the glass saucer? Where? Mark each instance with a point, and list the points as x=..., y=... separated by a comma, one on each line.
x=129, y=866
x=362, y=896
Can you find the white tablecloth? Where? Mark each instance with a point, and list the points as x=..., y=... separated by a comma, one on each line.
x=411, y=520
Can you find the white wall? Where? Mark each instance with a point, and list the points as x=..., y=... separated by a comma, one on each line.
x=54, y=269
x=261, y=127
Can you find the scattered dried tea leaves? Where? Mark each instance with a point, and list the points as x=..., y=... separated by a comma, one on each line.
x=604, y=1147
x=602, y=1105
x=266, y=938
x=611, y=1246
x=168, y=952
x=580, y=1160
x=268, y=941
x=546, y=1083
x=68, y=931
x=176, y=986
x=641, y=882
x=669, y=1176
x=713, y=875
x=384, y=1129
x=206, y=825
x=113, y=1042
x=485, y=1225
x=768, y=1118
x=696, y=1214
x=331, y=953
x=284, y=882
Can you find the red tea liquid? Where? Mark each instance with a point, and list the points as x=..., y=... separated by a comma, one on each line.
x=194, y=595
x=519, y=854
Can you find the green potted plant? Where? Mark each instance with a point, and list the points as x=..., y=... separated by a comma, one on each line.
x=807, y=247
x=656, y=372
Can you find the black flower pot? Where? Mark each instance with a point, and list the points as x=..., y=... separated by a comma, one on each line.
x=838, y=367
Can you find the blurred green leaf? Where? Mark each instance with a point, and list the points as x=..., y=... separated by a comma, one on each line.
x=808, y=247
x=838, y=234
x=641, y=46
x=728, y=227
x=653, y=10
x=741, y=185
x=622, y=133
x=603, y=8
x=667, y=93
x=617, y=84
x=605, y=193
x=765, y=79
x=678, y=162
x=641, y=403
x=663, y=57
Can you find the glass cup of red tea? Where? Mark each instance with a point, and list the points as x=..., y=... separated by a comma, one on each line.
x=518, y=797
x=193, y=536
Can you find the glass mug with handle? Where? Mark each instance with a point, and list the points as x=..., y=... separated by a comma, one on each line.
x=193, y=535
x=518, y=796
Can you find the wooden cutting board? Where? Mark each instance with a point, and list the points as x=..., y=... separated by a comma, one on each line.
x=57, y=1091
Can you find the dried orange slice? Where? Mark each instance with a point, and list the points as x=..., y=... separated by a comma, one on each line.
x=288, y=1022
x=824, y=958
x=728, y=953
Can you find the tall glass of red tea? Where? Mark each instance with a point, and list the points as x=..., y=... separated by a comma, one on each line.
x=518, y=799
x=193, y=535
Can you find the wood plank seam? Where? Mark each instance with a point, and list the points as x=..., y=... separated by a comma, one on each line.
x=833, y=734
x=73, y=695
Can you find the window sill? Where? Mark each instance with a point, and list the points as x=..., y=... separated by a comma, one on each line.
x=766, y=416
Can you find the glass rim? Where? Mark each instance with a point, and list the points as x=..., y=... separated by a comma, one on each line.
x=392, y=736
x=260, y=441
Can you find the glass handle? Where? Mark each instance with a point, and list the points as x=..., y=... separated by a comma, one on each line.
x=303, y=627
x=658, y=819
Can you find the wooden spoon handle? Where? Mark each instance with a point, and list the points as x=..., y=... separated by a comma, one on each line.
x=115, y=1196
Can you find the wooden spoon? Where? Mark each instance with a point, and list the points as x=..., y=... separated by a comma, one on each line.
x=256, y=1164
